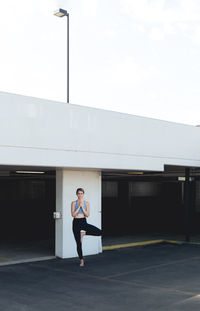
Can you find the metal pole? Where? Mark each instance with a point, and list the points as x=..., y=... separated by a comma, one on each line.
x=68, y=58
x=187, y=204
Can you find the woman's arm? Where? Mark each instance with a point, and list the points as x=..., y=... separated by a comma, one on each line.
x=87, y=211
x=73, y=212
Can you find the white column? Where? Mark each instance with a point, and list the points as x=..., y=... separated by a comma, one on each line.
x=67, y=181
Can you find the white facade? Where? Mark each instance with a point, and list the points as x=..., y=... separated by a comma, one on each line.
x=45, y=133
x=78, y=142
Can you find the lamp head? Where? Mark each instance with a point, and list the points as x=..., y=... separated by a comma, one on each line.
x=61, y=13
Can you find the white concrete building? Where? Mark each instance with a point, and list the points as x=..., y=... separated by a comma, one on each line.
x=80, y=143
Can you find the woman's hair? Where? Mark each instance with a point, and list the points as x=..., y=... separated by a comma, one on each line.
x=80, y=189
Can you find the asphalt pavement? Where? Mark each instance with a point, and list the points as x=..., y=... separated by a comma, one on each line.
x=154, y=277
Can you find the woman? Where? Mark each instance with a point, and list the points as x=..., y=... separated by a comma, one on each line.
x=80, y=209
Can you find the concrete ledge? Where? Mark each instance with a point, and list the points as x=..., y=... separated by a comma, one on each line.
x=110, y=247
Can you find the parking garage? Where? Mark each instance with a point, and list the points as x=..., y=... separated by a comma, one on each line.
x=151, y=204
x=27, y=201
x=136, y=205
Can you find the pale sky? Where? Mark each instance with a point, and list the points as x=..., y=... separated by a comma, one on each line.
x=135, y=56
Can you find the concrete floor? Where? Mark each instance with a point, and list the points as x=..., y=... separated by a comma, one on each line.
x=159, y=277
x=17, y=252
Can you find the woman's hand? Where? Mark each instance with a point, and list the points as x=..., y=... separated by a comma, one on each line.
x=87, y=211
x=73, y=212
x=81, y=204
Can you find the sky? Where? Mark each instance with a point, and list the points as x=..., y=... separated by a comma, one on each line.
x=140, y=57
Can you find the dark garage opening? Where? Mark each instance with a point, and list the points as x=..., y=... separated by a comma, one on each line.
x=27, y=202
x=149, y=203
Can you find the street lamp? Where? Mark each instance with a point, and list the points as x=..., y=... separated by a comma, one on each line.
x=61, y=13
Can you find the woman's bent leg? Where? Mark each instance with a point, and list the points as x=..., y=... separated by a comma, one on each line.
x=92, y=230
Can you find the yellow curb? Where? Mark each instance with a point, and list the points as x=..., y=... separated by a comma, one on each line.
x=173, y=241
x=131, y=244
x=110, y=247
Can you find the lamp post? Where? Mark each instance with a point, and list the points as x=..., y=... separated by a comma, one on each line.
x=61, y=13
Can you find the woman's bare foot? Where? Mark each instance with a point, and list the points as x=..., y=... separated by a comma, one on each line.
x=82, y=235
x=81, y=262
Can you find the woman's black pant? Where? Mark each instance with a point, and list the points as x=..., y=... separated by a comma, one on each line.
x=81, y=224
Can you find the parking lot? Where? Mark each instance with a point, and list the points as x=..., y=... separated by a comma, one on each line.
x=154, y=277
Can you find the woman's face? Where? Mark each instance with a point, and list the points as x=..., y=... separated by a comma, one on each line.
x=80, y=195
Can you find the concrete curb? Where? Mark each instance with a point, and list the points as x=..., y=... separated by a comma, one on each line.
x=110, y=247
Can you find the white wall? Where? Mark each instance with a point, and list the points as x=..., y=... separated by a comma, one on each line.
x=67, y=181
x=45, y=133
